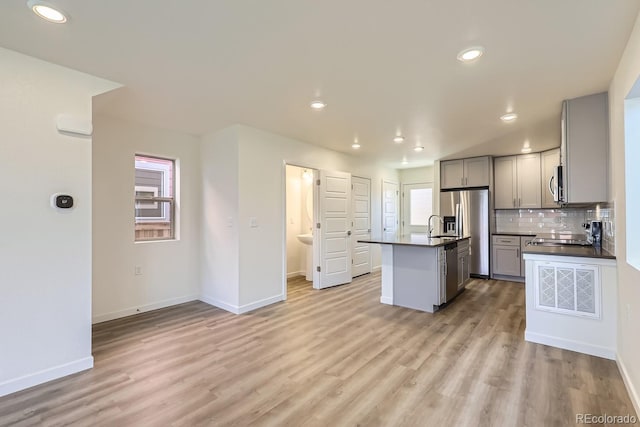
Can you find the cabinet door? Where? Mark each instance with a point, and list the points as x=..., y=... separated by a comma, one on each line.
x=548, y=161
x=528, y=167
x=451, y=174
x=460, y=271
x=524, y=241
x=465, y=268
x=587, y=142
x=476, y=172
x=504, y=170
x=506, y=260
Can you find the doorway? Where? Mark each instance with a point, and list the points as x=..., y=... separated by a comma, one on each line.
x=299, y=217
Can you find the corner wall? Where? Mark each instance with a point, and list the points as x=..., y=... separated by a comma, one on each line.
x=219, y=259
x=259, y=263
x=45, y=253
x=628, y=277
x=170, y=269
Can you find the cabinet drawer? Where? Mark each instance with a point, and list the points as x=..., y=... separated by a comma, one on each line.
x=506, y=240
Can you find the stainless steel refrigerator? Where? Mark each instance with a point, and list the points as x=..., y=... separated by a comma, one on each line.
x=470, y=211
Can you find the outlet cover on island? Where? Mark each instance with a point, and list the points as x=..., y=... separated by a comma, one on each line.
x=253, y=222
x=137, y=270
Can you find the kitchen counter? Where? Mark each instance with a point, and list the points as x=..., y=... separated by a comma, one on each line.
x=568, y=250
x=416, y=239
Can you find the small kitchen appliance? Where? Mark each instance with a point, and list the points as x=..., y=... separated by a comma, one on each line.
x=595, y=234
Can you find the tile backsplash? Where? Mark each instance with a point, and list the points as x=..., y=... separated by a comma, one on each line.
x=558, y=220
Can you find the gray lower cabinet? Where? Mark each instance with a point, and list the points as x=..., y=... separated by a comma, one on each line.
x=524, y=241
x=507, y=256
x=463, y=263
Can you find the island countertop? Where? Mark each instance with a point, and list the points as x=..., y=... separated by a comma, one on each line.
x=415, y=239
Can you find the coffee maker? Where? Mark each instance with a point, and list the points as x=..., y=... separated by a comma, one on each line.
x=595, y=233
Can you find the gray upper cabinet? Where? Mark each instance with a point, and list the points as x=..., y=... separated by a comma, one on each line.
x=548, y=161
x=472, y=172
x=517, y=182
x=505, y=182
x=584, y=150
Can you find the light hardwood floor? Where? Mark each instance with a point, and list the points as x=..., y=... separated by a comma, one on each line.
x=327, y=358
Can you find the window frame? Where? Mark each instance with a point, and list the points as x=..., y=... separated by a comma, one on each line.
x=169, y=179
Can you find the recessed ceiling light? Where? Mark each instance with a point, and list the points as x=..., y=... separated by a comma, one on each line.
x=398, y=139
x=509, y=117
x=318, y=105
x=405, y=161
x=526, y=150
x=418, y=148
x=47, y=11
x=470, y=54
x=355, y=145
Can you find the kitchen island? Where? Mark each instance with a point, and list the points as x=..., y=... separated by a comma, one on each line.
x=422, y=272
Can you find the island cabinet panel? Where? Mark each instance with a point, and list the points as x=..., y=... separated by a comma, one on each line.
x=416, y=288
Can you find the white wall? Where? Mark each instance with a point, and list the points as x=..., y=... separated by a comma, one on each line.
x=170, y=269
x=416, y=175
x=260, y=188
x=45, y=254
x=628, y=277
x=219, y=261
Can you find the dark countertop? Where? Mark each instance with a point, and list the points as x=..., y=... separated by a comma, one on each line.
x=567, y=250
x=415, y=239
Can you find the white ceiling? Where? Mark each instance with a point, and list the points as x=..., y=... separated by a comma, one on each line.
x=382, y=66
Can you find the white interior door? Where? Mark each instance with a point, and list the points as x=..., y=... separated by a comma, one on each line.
x=361, y=225
x=417, y=206
x=390, y=196
x=334, y=212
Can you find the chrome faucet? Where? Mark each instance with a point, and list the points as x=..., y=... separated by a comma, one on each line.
x=429, y=227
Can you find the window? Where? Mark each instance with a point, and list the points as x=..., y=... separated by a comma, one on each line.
x=632, y=173
x=154, y=198
x=417, y=207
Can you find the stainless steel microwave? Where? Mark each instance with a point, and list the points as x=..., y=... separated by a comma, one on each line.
x=556, y=185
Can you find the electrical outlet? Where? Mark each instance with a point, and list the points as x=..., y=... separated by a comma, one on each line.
x=137, y=270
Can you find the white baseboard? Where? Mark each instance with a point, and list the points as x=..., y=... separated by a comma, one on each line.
x=386, y=300
x=141, y=309
x=232, y=308
x=30, y=380
x=262, y=303
x=295, y=274
x=578, y=346
x=235, y=309
x=633, y=393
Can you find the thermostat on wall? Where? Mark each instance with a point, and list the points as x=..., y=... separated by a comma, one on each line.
x=62, y=201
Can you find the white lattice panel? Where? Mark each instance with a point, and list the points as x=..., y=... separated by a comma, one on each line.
x=585, y=291
x=565, y=281
x=547, y=286
x=567, y=288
